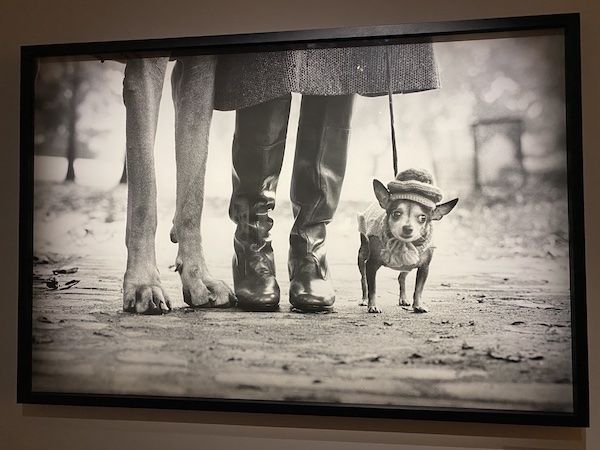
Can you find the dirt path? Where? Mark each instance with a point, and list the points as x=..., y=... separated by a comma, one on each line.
x=497, y=336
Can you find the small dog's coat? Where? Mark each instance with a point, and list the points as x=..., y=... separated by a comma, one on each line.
x=398, y=234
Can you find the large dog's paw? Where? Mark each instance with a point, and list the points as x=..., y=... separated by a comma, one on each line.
x=374, y=310
x=145, y=298
x=202, y=291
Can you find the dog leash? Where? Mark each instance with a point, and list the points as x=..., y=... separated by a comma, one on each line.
x=391, y=106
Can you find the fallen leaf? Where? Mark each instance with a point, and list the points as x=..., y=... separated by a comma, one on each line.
x=68, y=271
x=509, y=358
x=42, y=339
x=69, y=284
x=106, y=334
x=42, y=259
x=52, y=283
x=366, y=358
x=528, y=303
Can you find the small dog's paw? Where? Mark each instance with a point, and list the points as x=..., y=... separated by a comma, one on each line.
x=145, y=299
x=374, y=310
x=363, y=302
x=420, y=308
x=403, y=302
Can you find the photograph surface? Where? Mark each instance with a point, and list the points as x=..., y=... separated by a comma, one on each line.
x=384, y=225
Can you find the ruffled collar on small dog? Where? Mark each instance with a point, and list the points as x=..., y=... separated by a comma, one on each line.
x=397, y=254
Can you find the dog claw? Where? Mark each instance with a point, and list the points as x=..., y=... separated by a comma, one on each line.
x=196, y=295
x=145, y=300
x=205, y=292
x=173, y=235
x=420, y=309
x=220, y=295
x=374, y=310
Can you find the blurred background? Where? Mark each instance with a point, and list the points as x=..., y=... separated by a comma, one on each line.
x=493, y=135
x=496, y=127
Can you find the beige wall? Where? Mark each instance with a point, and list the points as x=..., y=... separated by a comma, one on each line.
x=36, y=22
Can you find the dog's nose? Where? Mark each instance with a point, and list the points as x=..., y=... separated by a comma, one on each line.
x=407, y=229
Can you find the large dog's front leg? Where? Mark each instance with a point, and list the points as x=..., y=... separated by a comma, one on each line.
x=193, y=92
x=142, y=90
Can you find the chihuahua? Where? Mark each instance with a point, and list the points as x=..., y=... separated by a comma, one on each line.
x=397, y=234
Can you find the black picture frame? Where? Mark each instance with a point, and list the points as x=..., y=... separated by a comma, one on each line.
x=572, y=334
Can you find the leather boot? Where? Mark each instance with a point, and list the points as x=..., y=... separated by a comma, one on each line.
x=258, y=149
x=318, y=173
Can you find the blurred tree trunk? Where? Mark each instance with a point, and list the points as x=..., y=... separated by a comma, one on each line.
x=124, y=174
x=72, y=116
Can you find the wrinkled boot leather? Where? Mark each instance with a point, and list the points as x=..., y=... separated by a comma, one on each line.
x=258, y=148
x=254, y=279
x=318, y=174
x=311, y=289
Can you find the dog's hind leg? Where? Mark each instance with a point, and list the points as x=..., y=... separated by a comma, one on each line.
x=142, y=90
x=193, y=92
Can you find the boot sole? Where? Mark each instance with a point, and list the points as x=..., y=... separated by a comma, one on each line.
x=312, y=309
x=258, y=307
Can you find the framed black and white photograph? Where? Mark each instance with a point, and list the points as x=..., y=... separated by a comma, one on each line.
x=371, y=222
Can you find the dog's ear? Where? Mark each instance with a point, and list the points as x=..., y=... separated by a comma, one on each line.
x=443, y=209
x=382, y=194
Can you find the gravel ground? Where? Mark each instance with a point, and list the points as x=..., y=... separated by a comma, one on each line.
x=498, y=334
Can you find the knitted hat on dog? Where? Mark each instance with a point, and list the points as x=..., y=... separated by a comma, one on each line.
x=416, y=185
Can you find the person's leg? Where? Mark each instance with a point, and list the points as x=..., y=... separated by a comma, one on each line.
x=317, y=177
x=258, y=149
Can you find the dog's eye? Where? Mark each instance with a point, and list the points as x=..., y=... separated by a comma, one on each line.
x=396, y=215
x=422, y=218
